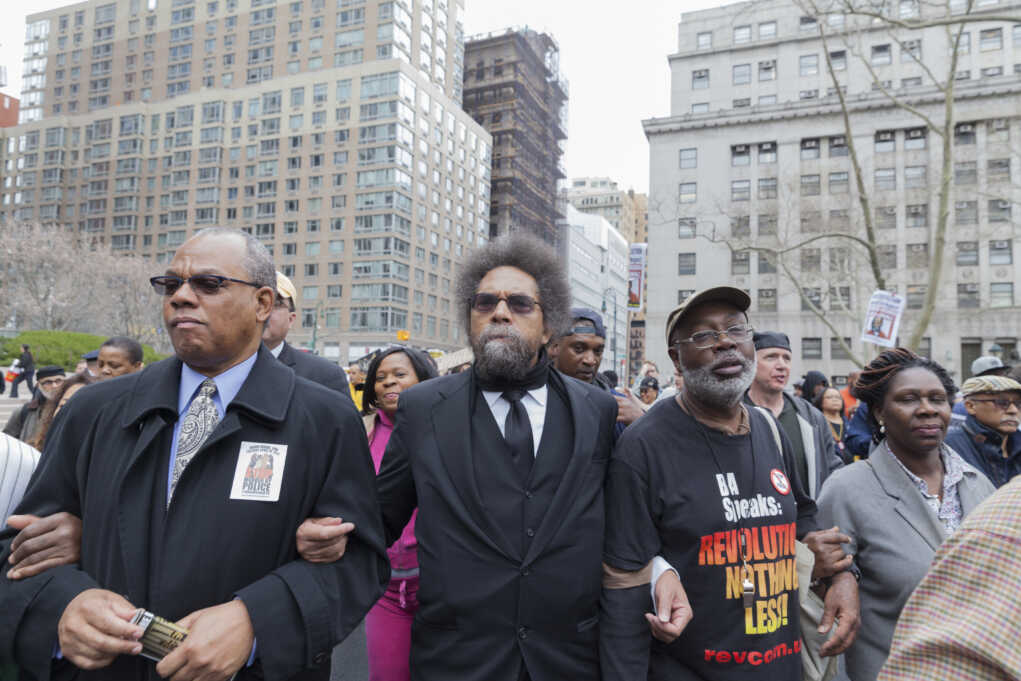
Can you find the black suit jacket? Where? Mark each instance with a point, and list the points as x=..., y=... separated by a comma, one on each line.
x=316, y=369
x=483, y=606
x=106, y=461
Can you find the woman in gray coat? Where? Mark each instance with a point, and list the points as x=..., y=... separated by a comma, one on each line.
x=900, y=504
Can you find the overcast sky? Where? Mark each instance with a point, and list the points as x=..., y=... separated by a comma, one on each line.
x=613, y=54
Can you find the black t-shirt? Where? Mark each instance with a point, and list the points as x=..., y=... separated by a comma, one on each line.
x=684, y=491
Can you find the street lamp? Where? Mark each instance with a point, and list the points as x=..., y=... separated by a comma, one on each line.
x=613, y=340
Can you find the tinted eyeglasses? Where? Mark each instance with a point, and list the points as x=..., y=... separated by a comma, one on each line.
x=203, y=284
x=1002, y=403
x=518, y=303
x=740, y=333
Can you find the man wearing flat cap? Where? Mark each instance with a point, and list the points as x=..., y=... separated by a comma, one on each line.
x=578, y=353
x=988, y=438
x=710, y=485
x=304, y=364
x=815, y=451
x=24, y=423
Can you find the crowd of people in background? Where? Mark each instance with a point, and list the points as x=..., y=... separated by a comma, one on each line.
x=533, y=518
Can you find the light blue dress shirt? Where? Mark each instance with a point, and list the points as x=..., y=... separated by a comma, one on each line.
x=228, y=384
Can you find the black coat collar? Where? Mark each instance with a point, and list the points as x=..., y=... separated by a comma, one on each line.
x=265, y=394
x=286, y=354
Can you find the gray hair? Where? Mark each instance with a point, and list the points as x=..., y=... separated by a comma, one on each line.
x=533, y=257
x=257, y=261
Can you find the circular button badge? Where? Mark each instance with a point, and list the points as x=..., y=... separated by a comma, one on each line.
x=780, y=482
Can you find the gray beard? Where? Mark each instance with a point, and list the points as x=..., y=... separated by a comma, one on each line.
x=707, y=388
x=502, y=359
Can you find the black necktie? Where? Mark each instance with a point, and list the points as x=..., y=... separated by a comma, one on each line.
x=517, y=431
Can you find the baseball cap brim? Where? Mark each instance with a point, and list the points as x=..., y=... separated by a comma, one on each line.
x=723, y=294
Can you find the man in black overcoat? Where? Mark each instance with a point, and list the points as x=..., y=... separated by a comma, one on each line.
x=176, y=521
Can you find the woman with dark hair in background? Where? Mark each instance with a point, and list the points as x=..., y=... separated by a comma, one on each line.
x=901, y=503
x=831, y=403
x=118, y=356
x=388, y=624
x=64, y=393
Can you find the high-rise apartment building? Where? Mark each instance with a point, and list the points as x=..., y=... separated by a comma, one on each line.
x=513, y=87
x=332, y=130
x=754, y=153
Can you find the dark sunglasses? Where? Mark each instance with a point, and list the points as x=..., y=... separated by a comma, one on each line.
x=518, y=303
x=203, y=284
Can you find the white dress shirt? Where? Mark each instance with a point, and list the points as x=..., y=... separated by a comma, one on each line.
x=534, y=402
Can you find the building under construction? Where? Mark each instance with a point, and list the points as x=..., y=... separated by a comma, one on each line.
x=513, y=88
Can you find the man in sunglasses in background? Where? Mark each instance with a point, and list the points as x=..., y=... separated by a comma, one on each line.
x=506, y=462
x=189, y=478
x=709, y=484
x=988, y=438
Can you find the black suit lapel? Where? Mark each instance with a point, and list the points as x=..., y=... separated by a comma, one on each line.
x=286, y=355
x=454, y=444
x=586, y=430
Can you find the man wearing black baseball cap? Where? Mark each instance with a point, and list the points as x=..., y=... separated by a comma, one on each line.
x=815, y=451
x=578, y=353
x=702, y=481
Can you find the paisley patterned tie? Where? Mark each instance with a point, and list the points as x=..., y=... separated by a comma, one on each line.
x=199, y=421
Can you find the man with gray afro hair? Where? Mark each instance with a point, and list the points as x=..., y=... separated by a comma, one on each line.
x=505, y=464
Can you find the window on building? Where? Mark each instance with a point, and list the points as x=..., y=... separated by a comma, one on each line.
x=742, y=74
x=886, y=254
x=741, y=226
x=808, y=24
x=916, y=296
x=811, y=348
x=767, y=263
x=1000, y=253
x=881, y=55
x=739, y=262
x=918, y=256
x=767, y=30
x=838, y=60
x=810, y=185
x=914, y=139
x=767, y=187
x=686, y=228
x=838, y=183
x=886, y=217
x=837, y=350
x=767, y=225
x=967, y=253
x=917, y=215
x=740, y=155
x=999, y=210
x=689, y=158
x=990, y=39
x=911, y=50
x=700, y=107
x=700, y=79
x=767, y=70
x=685, y=263
x=886, y=140
x=968, y=296
x=704, y=40
x=1001, y=294
x=688, y=192
x=966, y=213
x=915, y=177
x=767, y=153
x=964, y=133
x=838, y=146
x=886, y=178
x=808, y=64
x=811, y=259
x=742, y=34
x=809, y=148
x=740, y=190
x=767, y=300
x=998, y=170
x=965, y=172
